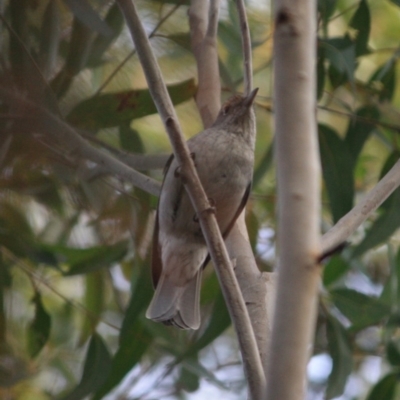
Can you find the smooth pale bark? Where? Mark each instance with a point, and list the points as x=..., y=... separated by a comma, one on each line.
x=298, y=198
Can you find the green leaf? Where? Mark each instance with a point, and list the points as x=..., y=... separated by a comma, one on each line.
x=95, y=371
x=384, y=80
x=93, y=302
x=182, y=39
x=134, y=338
x=188, y=380
x=326, y=9
x=342, y=362
x=193, y=367
x=39, y=328
x=88, y=16
x=130, y=139
x=361, y=310
x=50, y=38
x=142, y=291
x=336, y=267
x=219, y=321
x=397, y=2
x=115, y=20
x=341, y=53
x=264, y=165
x=359, y=129
x=78, y=53
x=337, y=168
x=127, y=356
x=253, y=227
x=361, y=22
x=113, y=109
x=82, y=261
x=97, y=258
x=385, y=389
x=393, y=353
x=391, y=291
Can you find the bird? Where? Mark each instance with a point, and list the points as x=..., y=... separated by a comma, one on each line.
x=224, y=158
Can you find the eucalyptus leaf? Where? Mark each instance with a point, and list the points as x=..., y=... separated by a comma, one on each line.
x=39, y=328
x=95, y=371
x=337, y=168
x=361, y=310
x=341, y=353
x=113, y=109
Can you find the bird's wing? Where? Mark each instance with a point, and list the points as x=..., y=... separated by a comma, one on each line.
x=242, y=205
x=156, y=263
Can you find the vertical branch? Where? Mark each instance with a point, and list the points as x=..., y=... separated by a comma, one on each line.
x=256, y=287
x=203, y=20
x=298, y=198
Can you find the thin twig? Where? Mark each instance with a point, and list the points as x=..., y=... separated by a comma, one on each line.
x=246, y=43
x=236, y=306
x=141, y=162
x=361, y=118
x=354, y=218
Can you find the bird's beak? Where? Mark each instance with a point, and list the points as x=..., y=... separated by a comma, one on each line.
x=248, y=101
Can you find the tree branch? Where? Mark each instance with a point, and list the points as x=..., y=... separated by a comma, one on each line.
x=76, y=145
x=204, y=46
x=141, y=162
x=252, y=364
x=246, y=44
x=298, y=171
x=354, y=218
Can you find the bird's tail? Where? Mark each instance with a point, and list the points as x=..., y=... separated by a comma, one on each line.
x=177, y=305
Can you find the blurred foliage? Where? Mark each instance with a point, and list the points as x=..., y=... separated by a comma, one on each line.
x=74, y=261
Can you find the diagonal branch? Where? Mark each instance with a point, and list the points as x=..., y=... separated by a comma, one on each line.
x=236, y=306
x=354, y=218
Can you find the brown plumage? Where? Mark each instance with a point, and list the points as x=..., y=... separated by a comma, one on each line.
x=224, y=157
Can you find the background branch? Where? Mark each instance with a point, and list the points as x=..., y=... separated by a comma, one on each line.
x=203, y=20
x=246, y=44
x=366, y=206
x=237, y=309
x=141, y=162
